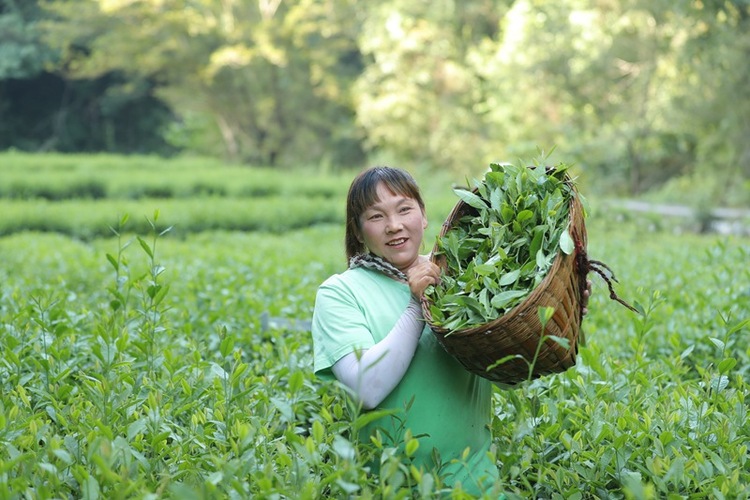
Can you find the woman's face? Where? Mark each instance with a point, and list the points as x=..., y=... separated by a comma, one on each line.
x=393, y=228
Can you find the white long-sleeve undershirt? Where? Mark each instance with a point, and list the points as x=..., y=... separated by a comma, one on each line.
x=374, y=373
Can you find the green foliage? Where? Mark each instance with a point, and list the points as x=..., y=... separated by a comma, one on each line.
x=47, y=112
x=497, y=253
x=22, y=53
x=647, y=411
x=215, y=407
x=136, y=366
x=63, y=177
x=636, y=93
x=86, y=220
x=267, y=79
x=41, y=108
x=83, y=195
x=421, y=98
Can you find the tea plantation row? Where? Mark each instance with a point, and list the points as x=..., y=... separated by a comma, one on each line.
x=136, y=366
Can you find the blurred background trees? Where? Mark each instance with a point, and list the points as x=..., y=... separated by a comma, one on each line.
x=640, y=94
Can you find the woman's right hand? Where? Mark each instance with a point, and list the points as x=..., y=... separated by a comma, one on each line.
x=422, y=275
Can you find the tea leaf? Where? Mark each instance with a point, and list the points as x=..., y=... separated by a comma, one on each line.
x=726, y=365
x=545, y=314
x=371, y=416
x=687, y=351
x=226, y=346
x=146, y=247
x=566, y=243
x=412, y=446
x=471, y=199
x=524, y=215
x=718, y=343
x=113, y=261
x=502, y=299
x=509, y=278
x=565, y=343
x=503, y=360
x=720, y=383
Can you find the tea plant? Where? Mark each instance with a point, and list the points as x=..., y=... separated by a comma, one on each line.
x=85, y=219
x=138, y=368
x=58, y=177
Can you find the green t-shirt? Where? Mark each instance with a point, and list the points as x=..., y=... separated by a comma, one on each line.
x=450, y=408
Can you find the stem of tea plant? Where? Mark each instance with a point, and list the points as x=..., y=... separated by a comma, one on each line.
x=45, y=323
x=153, y=295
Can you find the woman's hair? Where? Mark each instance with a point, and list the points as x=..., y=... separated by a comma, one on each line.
x=363, y=194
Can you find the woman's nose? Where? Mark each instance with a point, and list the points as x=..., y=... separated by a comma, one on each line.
x=393, y=224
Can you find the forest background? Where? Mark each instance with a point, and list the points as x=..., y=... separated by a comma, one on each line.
x=643, y=96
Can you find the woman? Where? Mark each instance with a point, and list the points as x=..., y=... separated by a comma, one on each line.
x=368, y=332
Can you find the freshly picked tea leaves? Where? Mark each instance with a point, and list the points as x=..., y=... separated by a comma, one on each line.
x=501, y=249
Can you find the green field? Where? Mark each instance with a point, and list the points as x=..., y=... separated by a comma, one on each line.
x=135, y=366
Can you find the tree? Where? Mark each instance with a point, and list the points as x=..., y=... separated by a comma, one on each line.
x=579, y=75
x=635, y=92
x=419, y=93
x=713, y=103
x=259, y=70
x=41, y=110
x=22, y=54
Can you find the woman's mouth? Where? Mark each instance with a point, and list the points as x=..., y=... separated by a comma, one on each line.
x=395, y=243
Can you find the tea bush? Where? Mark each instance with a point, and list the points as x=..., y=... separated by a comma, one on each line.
x=84, y=220
x=135, y=365
x=58, y=177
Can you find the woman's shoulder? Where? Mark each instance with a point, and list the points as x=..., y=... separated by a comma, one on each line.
x=359, y=281
x=343, y=282
x=346, y=287
x=347, y=278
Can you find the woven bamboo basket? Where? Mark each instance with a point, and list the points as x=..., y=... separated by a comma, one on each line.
x=517, y=334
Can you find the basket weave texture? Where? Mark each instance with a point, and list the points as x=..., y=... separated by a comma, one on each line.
x=517, y=334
